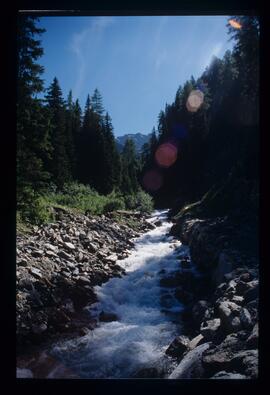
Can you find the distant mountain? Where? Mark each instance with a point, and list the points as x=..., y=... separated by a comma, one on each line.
x=138, y=138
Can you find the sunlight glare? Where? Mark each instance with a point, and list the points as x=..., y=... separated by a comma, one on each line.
x=195, y=100
x=235, y=24
x=166, y=154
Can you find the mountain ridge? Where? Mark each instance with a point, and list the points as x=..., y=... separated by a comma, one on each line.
x=139, y=139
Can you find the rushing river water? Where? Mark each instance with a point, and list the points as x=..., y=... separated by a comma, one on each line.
x=149, y=317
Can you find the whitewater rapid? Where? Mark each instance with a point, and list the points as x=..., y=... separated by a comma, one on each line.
x=148, y=315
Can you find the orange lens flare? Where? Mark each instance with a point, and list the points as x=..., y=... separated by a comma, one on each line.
x=235, y=24
x=194, y=100
x=166, y=155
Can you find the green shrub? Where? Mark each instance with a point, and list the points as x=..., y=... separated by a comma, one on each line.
x=141, y=201
x=36, y=211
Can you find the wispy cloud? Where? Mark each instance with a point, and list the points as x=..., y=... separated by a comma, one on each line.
x=159, y=54
x=81, y=43
x=215, y=50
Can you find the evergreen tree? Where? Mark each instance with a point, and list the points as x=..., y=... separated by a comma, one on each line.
x=60, y=164
x=92, y=166
x=76, y=130
x=70, y=134
x=33, y=128
x=112, y=165
x=129, y=168
x=97, y=104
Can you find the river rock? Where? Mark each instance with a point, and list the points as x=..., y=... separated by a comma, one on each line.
x=191, y=364
x=35, y=272
x=228, y=312
x=69, y=246
x=196, y=341
x=252, y=340
x=209, y=329
x=107, y=317
x=24, y=373
x=83, y=280
x=253, y=292
x=64, y=254
x=178, y=347
x=247, y=362
x=245, y=318
x=228, y=375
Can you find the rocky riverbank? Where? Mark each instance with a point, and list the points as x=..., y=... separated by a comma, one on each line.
x=58, y=265
x=222, y=314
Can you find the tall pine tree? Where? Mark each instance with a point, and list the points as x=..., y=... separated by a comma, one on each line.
x=60, y=166
x=33, y=128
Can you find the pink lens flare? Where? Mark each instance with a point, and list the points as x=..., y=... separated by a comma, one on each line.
x=166, y=154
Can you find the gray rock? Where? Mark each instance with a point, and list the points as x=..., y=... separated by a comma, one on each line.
x=69, y=246
x=24, y=373
x=83, y=280
x=65, y=255
x=196, y=341
x=247, y=362
x=107, y=317
x=191, y=364
x=228, y=375
x=209, y=329
x=246, y=277
x=22, y=262
x=252, y=293
x=252, y=340
x=237, y=299
x=242, y=287
x=245, y=318
x=228, y=312
x=50, y=247
x=37, y=253
x=50, y=253
x=36, y=272
x=111, y=258
x=93, y=247
x=178, y=346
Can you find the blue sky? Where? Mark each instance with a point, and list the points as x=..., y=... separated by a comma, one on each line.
x=137, y=63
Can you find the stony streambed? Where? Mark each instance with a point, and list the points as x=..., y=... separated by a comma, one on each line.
x=157, y=315
x=136, y=315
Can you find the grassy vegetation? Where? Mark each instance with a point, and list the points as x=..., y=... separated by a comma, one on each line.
x=81, y=199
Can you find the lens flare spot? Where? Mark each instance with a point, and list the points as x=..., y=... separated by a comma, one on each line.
x=235, y=24
x=166, y=154
x=194, y=100
x=152, y=180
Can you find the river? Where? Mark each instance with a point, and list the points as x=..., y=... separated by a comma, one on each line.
x=148, y=315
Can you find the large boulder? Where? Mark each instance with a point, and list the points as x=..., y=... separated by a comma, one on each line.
x=24, y=373
x=178, y=347
x=252, y=340
x=228, y=375
x=210, y=329
x=191, y=365
x=246, y=362
x=229, y=316
x=107, y=317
